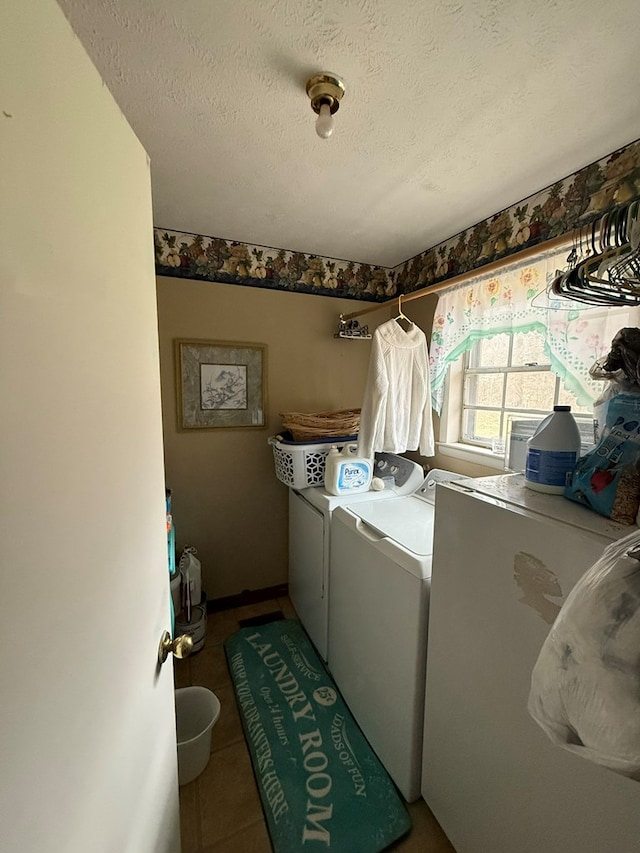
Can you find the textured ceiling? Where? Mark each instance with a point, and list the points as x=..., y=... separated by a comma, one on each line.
x=453, y=110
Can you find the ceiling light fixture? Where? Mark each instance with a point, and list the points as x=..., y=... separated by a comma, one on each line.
x=325, y=92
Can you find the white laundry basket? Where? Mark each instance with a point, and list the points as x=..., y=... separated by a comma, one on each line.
x=302, y=465
x=197, y=712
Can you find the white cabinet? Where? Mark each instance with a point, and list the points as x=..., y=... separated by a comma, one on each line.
x=495, y=782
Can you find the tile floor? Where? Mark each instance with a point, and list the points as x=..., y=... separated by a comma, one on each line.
x=220, y=811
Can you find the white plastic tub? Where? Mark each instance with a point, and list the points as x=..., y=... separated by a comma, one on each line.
x=197, y=712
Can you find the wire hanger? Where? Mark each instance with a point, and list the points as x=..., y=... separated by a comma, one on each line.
x=550, y=297
x=400, y=315
x=608, y=272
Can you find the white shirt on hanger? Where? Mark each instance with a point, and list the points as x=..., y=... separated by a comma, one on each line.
x=396, y=410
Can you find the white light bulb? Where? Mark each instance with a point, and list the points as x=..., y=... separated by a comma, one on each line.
x=324, y=122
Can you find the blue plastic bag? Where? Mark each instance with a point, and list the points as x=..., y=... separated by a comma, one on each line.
x=607, y=478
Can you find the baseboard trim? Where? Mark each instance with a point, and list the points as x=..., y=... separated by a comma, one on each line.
x=247, y=596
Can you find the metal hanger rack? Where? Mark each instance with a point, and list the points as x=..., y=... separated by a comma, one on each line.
x=604, y=264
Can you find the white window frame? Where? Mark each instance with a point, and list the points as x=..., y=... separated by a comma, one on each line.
x=505, y=369
x=449, y=443
x=451, y=434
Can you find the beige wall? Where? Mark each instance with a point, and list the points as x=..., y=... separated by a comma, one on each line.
x=227, y=501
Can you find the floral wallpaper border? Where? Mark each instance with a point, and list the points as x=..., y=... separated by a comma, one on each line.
x=214, y=259
x=567, y=204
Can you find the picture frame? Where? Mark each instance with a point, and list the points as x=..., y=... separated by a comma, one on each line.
x=220, y=384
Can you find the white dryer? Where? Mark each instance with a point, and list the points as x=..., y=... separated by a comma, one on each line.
x=310, y=515
x=378, y=616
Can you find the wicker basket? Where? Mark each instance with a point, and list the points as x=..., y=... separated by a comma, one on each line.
x=306, y=427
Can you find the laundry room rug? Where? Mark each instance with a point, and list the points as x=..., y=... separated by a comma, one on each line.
x=322, y=787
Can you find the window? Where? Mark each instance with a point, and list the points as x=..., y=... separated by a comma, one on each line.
x=503, y=349
x=508, y=378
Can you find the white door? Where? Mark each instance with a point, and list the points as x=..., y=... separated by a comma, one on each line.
x=87, y=738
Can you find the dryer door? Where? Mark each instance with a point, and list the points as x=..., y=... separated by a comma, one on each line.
x=308, y=544
x=379, y=600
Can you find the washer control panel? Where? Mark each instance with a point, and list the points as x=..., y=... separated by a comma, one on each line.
x=436, y=475
x=402, y=475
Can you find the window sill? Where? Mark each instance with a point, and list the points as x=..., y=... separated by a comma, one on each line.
x=469, y=453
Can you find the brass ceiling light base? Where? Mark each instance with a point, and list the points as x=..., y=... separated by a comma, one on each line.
x=325, y=89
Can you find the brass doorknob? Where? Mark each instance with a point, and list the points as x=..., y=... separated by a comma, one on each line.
x=181, y=647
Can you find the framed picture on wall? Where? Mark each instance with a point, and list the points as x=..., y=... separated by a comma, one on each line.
x=220, y=384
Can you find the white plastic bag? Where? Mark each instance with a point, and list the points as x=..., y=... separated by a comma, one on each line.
x=585, y=686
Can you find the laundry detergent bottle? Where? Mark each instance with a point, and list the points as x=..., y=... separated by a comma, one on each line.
x=347, y=473
x=552, y=452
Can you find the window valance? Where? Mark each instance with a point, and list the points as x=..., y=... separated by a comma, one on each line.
x=516, y=300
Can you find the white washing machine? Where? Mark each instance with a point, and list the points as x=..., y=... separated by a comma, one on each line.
x=378, y=616
x=310, y=515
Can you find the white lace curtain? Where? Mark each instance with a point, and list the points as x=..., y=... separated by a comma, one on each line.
x=513, y=300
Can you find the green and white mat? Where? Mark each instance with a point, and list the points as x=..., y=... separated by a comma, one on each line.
x=322, y=787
